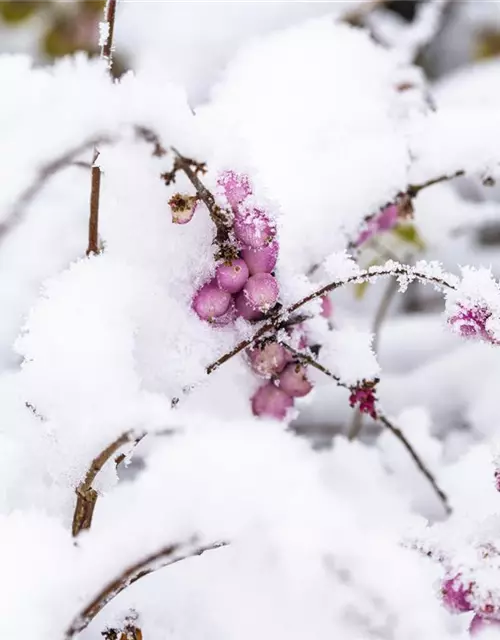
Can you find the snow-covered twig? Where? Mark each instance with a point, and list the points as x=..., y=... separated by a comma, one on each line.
x=372, y=273
x=95, y=182
x=167, y=555
x=380, y=417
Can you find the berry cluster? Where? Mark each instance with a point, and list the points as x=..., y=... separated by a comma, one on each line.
x=245, y=286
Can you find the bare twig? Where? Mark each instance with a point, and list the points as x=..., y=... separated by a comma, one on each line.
x=273, y=323
x=45, y=173
x=95, y=183
x=164, y=557
x=86, y=495
x=380, y=417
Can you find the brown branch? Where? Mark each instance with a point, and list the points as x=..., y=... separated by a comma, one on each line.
x=274, y=323
x=222, y=219
x=86, y=495
x=382, y=419
x=45, y=173
x=95, y=183
x=164, y=557
x=414, y=189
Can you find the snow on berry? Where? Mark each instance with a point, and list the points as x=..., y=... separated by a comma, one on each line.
x=271, y=401
x=262, y=260
x=236, y=187
x=479, y=625
x=473, y=308
x=456, y=595
x=268, y=360
x=253, y=227
x=232, y=277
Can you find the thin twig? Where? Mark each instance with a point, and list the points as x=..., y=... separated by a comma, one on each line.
x=384, y=420
x=86, y=495
x=367, y=274
x=45, y=173
x=164, y=557
x=95, y=183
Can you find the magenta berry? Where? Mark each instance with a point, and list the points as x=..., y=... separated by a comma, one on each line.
x=479, y=624
x=236, y=187
x=471, y=323
x=245, y=309
x=253, y=228
x=261, y=260
x=271, y=402
x=456, y=596
x=382, y=221
x=261, y=291
x=232, y=277
x=226, y=318
x=210, y=301
x=268, y=360
x=326, y=306
x=293, y=381
x=364, y=397
x=182, y=207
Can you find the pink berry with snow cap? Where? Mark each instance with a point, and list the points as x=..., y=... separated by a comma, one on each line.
x=236, y=187
x=269, y=401
x=456, y=596
x=268, y=360
x=254, y=228
x=232, y=277
x=261, y=291
x=262, y=260
x=210, y=301
x=293, y=381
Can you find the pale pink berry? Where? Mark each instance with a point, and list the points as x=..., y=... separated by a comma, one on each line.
x=261, y=291
x=293, y=381
x=269, y=359
x=456, y=596
x=210, y=301
x=261, y=260
x=236, y=187
x=271, y=402
x=382, y=221
x=226, y=318
x=232, y=277
x=326, y=306
x=245, y=309
x=182, y=207
x=254, y=228
x=479, y=624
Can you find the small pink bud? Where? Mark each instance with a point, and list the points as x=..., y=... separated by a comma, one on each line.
x=268, y=360
x=364, y=396
x=456, y=595
x=326, y=306
x=261, y=260
x=294, y=382
x=236, y=187
x=245, y=309
x=261, y=291
x=479, y=624
x=211, y=302
x=253, y=228
x=183, y=207
x=271, y=402
x=232, y=277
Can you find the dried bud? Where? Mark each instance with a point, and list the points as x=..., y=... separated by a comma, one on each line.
x=183, y=207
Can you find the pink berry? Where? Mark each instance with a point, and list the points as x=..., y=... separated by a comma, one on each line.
x=236, y=187
x=268, y=360
x=456, y=595
x=253, y=228
x=293, y=381
x=479, y=624
x=271, y=402
x=226, y=318
x=261, y=260
x=232, y=277
x=211, y=302
x=261, y=291
x=326, y=306
x=245, y=309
